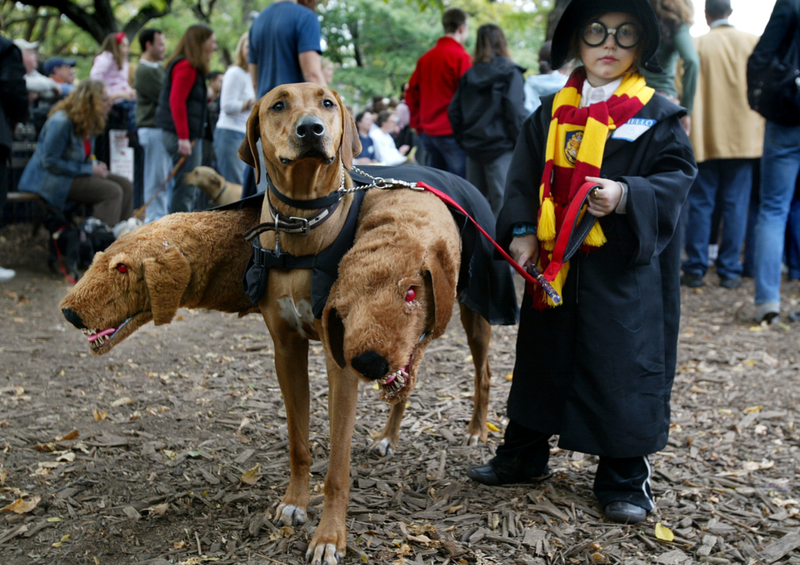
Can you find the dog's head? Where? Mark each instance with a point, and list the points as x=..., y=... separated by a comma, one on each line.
x=304, y=130
x=386, y=308
x=140, y=277
x=205, y=178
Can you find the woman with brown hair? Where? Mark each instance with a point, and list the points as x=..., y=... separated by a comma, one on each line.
x=63, y=167
x=237, y=98
x=487, y=112
x=674, y=21
x=182, y=109
x=111, y=67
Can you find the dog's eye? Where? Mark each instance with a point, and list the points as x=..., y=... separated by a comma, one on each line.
x=278, y=106
x=122, y=268
x=410, y=295
x=328, y=104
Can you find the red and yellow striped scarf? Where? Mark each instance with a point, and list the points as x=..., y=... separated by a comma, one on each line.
x=576, y=141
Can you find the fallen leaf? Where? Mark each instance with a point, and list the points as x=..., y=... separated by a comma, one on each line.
x=121, y=401
x=250, y=476
x=510, y=376
x=170, y=454
x=753, y=409
x=179, y=544
x=74, y=434
x=99, y=415
x=664, y=533
x=159, y=509
x=22, y=506
x=492, y=427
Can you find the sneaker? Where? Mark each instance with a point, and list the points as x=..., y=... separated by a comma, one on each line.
x=692, y=280
x=767, y=312
x=7, y=274
x=625, y=513
x=730, y=282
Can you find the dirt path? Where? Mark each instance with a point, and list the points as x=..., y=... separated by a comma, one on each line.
x=146, y=455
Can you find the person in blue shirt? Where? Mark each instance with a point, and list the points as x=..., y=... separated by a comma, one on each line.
x=364, y=121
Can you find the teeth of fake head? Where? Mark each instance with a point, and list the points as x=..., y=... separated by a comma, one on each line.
x=395, y=381
x=89, y=332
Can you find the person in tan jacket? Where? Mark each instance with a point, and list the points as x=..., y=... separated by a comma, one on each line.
x=727, y=137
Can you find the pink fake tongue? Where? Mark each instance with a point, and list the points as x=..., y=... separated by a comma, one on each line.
x=390, y=379
x=104, y=333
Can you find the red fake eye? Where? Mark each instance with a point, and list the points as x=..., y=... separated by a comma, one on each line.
x=122, y=268
x=410, y=295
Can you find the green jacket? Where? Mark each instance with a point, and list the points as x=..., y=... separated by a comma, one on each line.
x=147, y=82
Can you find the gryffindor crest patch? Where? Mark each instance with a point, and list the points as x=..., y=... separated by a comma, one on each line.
x=571, y=146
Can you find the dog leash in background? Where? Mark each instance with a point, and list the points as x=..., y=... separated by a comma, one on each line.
x=139, y=213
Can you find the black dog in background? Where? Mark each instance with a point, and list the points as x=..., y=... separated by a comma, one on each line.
x=72, y=246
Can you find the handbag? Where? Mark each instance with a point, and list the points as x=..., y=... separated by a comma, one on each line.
x=774, y=91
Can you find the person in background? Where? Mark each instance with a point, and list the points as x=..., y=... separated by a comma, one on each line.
x=364, y=121
x=386, y=152
x=675, y=19
x=328, y=69
x=487, y=112
x=183, y=109
x=13, y=109
x=726, y=150
x=431, y=88
x=111, y=67
x=548, y=81
x=63, y=166
x=597, y=368
x=237, y=99
x=780, y=166
x=147, y=81
x=214, y=80
x=62, y=71
x=38, y=85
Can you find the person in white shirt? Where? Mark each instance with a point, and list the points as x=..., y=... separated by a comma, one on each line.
x=37, y=84
x=386, y=152
x=237, y=98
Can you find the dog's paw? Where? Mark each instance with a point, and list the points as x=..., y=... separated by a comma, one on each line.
x=472, y=440
x=290, y=515
x=324, y=554
x=382, y=448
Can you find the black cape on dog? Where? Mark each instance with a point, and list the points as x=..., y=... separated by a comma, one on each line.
x=484, y=286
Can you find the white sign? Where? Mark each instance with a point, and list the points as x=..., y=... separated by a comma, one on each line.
x=121, y=155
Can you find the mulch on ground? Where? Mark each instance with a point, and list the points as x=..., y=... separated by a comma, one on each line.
x=173, y=448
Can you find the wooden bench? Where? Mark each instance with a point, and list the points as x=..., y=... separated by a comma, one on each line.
x=37, y=203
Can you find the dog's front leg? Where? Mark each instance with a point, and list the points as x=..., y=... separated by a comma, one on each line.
x=329, y=543
x=291, y=365
x=479, y=333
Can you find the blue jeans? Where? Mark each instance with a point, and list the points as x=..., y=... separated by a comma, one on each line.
x=226, y=148
x=732, y=180
x=183, y=195
x=157, y=166
x=780, y=165
x=445, y=154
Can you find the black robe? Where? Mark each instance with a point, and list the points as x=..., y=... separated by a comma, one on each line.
x=598, y=370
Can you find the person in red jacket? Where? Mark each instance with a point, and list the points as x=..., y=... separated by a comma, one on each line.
x=431, y=89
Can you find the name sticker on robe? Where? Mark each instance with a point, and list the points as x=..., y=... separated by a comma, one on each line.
x=633, y=128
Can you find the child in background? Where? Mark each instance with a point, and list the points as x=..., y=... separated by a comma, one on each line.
x=111, y=68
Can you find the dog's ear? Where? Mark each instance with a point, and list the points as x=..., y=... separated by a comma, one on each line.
x=350, y=144
x=248, y=150
x=441, y=275
x=167, y=278
x=334, y=328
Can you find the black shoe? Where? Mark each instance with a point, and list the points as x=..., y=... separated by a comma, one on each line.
x=730, y=282
x=488, y=475
x=625, y=513
x=692, y=281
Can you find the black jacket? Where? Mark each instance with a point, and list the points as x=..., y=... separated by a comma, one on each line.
x=196, y=105
x=13, y=94
x=598, y=370
x=780, y=31
x=488, y=109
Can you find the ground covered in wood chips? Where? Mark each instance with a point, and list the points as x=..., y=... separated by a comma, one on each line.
x=173, y=448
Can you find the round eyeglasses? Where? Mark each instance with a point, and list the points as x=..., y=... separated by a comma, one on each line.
x=626, y=35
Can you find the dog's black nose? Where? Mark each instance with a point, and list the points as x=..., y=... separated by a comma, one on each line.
x=310, y=127
x=73, y=318
x=371, y=364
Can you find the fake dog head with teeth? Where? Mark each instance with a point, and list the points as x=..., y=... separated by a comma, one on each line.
x=193, y=260
x=395, y=291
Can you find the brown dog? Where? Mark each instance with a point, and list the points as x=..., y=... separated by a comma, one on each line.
x=220, y=191
x=309, y=141
x=193, y=260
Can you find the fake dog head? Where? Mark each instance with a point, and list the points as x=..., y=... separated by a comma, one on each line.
x=304, y=128
x=193, y=260
x=395, y=290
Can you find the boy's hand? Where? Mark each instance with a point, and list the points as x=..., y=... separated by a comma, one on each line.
x=605, y=200
x=525, y=250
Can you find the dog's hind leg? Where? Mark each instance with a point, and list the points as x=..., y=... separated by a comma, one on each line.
x=329, y=543
x=386, y=442
x=479, y=332
x=291, y=365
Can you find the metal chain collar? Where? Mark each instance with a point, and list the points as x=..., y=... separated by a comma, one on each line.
x=379, y=182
